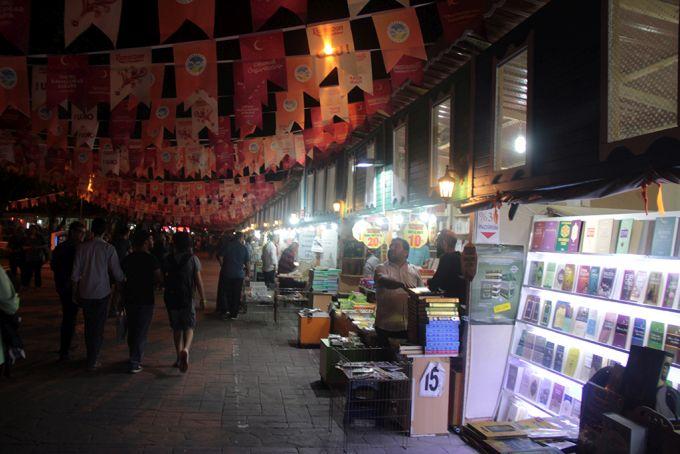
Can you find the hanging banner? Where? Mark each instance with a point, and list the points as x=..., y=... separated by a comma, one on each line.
x=460, y=16
x=408, y=68
x=15, y=22
x=122, y=123
x=330, y=39
x=131, y=76
x=359, y=74
x=195, y=71
x=257, y=73
x=399, y=34
x=196, y=162
x=262, y=10
x=38, y=86
x=123, y=157
x=290, y=108
x=173, y=13
x=248, y=112
x=55, y=160
x=301, y=75
x=380, y=99
x=84, y=126
x=98, y=86
x=355, y=6
x=267, y=46
x=357, y=114
x=81, y=161
x=170, y=160
x=204, y=115
x=224, y=158
x=162, y=115
x=14, y=85
x=110, y=158
x=415, y=232
x=67, y=79
x=300, y=153
x=136, y=158
x=43, y=118
x=79, y=15
x=184, y=132
x=333, y=103
x=253, y=152
x=152, y=134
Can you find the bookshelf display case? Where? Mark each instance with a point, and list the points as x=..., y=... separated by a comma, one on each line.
x=593, y=286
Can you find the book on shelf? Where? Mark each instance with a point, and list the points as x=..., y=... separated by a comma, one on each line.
x=566, y=406
x=547, y=311
x=581, y=321
x=519, y=351
x=645, y=246
x=575, y=236
x=639, y=286
x=529, y=346
x=597, y=364
x=607, y=282
x=549, y=275
x=672, y=344
x=539, y=350
x=635, y=235
x=593, y=280
x=561, y=313
x=534, y=383
x=537, y=235
x=563, y=236
x=544, y=392
x=569, y=277
x=511, y=377
x=583, y=279
x=559, y=358
x=656, y=335
x=591, y=325
x=559, y=277
x=639, y=331
x=625, y=231
x=549, y=236
x=670, y=290
x=556, y=398
x=605, y=242
x=572, y=361
x=548, y=355
x=535, y=273
x=665, y=230
x=653, y=289
x=586, y=370
x=525, y=383
x=589, y=237
x=627, y=285
x=607, y=329
x=621, y=331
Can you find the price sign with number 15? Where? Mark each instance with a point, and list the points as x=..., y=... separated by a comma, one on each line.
x=433, y=380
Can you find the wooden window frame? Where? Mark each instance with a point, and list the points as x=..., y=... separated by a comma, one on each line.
x=402, y=123
x=435, y=102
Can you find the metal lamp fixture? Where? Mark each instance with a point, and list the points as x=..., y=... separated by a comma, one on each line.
x=446, y=184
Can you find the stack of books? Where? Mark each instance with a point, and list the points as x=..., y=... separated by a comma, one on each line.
x=440, y=324
x=410, y=350
x=325, y=280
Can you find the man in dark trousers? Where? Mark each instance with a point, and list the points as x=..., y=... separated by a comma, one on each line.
x=142, y=272
x=62, y=267
x=234, y=260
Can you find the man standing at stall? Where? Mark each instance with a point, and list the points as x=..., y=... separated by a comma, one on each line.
x=269, y=259
x=234, y=261
x=391, y=280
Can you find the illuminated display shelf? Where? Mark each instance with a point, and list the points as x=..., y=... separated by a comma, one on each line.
x=614, y=258
x=533, y=404
x=558, y=376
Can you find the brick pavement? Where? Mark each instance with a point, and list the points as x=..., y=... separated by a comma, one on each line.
x=247, y=391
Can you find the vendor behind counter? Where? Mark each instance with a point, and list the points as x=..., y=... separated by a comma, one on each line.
x=449, y=275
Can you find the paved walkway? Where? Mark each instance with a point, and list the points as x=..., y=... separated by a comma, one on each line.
x=247, y=391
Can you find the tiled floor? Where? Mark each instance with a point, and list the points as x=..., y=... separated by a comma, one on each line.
x=247, y=390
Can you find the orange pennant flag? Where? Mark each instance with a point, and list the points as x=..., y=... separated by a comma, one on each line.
x=195, y=71
x=399, y=34
x=290, y=108
x=14, y=84
x=300, y=71
x=173, y=13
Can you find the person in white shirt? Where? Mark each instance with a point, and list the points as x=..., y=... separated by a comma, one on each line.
x=269, y=261
x=371, y=263
x=95, y=264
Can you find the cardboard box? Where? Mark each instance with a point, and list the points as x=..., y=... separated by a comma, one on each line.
x=312, y=329
x=321, y=301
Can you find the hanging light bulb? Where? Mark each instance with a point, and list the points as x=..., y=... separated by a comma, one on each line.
x=520, y=144
x=446, y=184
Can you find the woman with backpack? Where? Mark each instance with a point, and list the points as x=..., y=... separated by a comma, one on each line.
x=182, y=271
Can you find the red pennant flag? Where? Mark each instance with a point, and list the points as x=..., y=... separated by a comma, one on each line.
x=15, y=20
x=82, y=161
x=38, y=86
x=163, y=114
x=268, y=46
x=408, y=68
x=399, y=34
x=459, y=16
x=247, y=106
x=67, y=79
x=79, y=15
x=340, y=132
x=301, y=75
x=14, y=85
x=173, y=13
x=290, y=108
x=223, y=131
x=195, y=71
x=257, y=73
x=122, y=123
x=224, y=159
x=98, y=86
x=357, y=114
x=152, y=134
x=43, y=118
x=262, y=10
x=55, y=160
x=170, y=160
x=380, y=99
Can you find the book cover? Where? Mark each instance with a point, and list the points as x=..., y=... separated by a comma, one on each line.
x=586, y=369
x=549, y=275
x=672, y=344
x=529, y=306
x=639, y=331
x=568, y=325
x=627, y=285
x=639, y=286
x=563, y=236
x=597, y=364
x=560, y=315
x=544, y=392
x=607, y=282
x=664, y=236
x=589, y=237
x=528, y=351
x=591, y=325
x=670, y=290
x=606, y=236
x=511, y=379
x=645, y=246
x=653, y=289
x=547, y=311
x=593, y=280
x=549, y=236
x=569, y=277
x=559, y=358
x=537, y=235
x=535, y=274
x=623, y=242
x=583, y=279
x=536, y=310
x=539, y=350
x=656, y=334
x=580, y=321
x=519, y=351
x=559, y=277
x=572, y=361
x=525, y=383
x=621, y=331
x=635, y=235
x=565, y=408
x=575, y=236
x=548, y=355
x=607, y=329
x=556, y=398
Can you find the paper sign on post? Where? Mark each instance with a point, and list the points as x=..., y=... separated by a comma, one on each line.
x=433, y=380
x=488, y=228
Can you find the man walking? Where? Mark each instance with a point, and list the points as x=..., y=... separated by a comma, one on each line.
x=269, y=260
x=234, y=260
x=142, y=272
x=61, y=263
x=96, y=261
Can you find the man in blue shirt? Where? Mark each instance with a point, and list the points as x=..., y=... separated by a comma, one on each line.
x=234, y=260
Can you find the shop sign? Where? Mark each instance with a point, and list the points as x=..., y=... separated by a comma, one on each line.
x=433, y=380
x=359, y=228
x=488, y=228
x=415, y=233
x=373, y=238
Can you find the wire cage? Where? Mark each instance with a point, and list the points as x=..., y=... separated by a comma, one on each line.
x=370, y=408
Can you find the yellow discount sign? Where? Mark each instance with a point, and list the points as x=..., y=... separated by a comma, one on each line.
x=373, y=237
x=416, y=234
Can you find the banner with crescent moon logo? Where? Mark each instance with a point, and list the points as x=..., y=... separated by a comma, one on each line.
x=98, y=86
x=84, y=126
x=399, y=34
x=79, y=15
x=290, y=108
x=408, y=68
x=14, y=85
x=173, y=13
x=262, y=10
x=262, y=47
x=460, y=16
x=15, y=22
x=247, y=106
x=195, y=71
x=67, y=79
x=380, y=99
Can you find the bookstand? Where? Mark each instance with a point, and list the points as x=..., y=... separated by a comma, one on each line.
x=593, y=286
